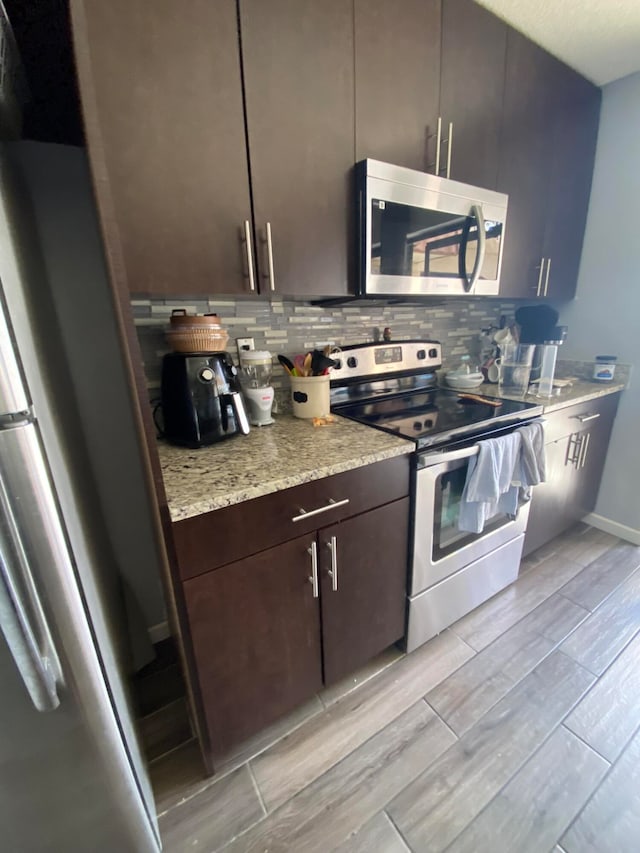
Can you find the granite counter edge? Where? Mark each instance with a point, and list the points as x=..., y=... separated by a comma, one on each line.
x=240, y=495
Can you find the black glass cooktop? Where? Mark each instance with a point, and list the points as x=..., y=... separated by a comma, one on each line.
x=436, y=416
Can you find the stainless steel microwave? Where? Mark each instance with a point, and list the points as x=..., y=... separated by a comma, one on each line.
x=421, y=235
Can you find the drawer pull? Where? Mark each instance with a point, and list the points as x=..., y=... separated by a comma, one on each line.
x=332, y=545
x=584, y=418
x=331, y=505
x=313, y=578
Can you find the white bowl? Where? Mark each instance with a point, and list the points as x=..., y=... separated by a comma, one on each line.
x=464, y=381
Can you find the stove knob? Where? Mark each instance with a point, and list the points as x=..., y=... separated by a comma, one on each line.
x=421, y=355
x=417, y=425
x=428, y=423
x=206, y=375
x=352, y=361
x=433, y=353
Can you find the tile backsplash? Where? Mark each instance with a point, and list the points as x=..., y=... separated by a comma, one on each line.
x=289, y=327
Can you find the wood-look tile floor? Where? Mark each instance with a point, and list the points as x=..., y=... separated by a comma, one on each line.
x=517, y=729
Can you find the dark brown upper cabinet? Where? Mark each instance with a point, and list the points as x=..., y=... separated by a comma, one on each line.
x=547, y=151
x=526, y=150
x=397, y=66
x=298, y=73
x=162, y=101
x=574, y=150
x=474, y=44
x=164, y=106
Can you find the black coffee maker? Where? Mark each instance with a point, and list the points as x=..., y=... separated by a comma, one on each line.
x=201, y=399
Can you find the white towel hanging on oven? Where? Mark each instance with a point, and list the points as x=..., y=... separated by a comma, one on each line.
x=489, y=488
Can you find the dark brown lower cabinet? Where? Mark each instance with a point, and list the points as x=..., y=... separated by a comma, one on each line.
x=363, y=570
x=255, y=627
x=575, y=459
x=268, y=630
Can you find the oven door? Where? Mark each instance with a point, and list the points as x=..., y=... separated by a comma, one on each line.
x=440, y=548
x=438, y=238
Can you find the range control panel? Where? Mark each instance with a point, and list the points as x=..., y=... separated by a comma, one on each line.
x=384, y=359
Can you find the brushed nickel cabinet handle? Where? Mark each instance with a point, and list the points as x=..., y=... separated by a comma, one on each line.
x=585, y=450
x=332, y=545
x=269, y=243
x=574, y=449
x=584, y=418
x=546, y=278
x=540, y=274
x=247, y=246
x=313, y=578
x=449, y=148
x=438, y=144
x=303, y=513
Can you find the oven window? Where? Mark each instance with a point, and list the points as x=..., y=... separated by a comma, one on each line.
x=417, y=242
x=448, y=497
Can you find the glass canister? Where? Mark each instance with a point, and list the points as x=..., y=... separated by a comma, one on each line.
x=604, y=368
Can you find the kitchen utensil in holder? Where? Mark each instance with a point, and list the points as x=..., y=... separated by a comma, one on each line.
x=310, y=396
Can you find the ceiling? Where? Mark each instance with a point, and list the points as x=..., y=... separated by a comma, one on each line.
x=599, y=38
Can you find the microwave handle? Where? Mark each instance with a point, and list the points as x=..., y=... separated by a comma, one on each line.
x=469, y=281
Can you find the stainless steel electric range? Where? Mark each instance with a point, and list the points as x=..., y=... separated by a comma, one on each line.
x=393, y=387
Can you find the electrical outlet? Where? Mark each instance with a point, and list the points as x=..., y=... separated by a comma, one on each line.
x=244, y=344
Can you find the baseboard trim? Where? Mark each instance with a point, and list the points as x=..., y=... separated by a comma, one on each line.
x=629, y=534
x=160, y=632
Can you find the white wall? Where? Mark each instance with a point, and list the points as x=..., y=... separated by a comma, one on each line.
x=605, y=317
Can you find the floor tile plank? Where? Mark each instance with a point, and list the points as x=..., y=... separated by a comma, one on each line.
x=379, y=835
x=357, y=679
x=602, y=636
x=324, y=814
x=610, y=822
x=267, y=737
x=487, y=622
x=318, y=744
x=584, y=546
x=434, y=809
x=609, y=714
x=540, y=802
x=177, y=775
x=602, y=576
x=209, y=819
x=470, y=691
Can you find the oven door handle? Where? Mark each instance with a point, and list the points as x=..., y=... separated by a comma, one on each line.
x=431, y=459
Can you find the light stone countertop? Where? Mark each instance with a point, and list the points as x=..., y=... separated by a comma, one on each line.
x=287, y=453
x=580, y=391
x=292, y=451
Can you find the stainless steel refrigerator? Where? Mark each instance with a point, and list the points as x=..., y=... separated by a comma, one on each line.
x=71, y=773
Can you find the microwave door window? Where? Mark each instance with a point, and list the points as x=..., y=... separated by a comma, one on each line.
x=412, y=241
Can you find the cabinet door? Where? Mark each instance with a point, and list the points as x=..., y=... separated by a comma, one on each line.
x=574, y=148
x=526, y=151
x=162, y=100
x=298, y=71
x=594, y=443
x=397, y=61
x=363, y=601
x=550, y=511
x=255, y=628
x=474, y=44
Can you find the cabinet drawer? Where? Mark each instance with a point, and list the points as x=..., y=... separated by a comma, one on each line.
x=216, y=538
x=580, y=416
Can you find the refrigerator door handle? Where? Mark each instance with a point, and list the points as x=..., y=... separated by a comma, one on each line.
x=13, y=396
x=29, y=530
